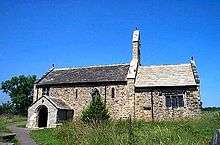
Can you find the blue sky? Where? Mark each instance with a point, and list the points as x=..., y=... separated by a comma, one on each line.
x=36, y=34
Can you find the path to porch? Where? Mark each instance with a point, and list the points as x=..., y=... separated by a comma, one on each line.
x=22, y=134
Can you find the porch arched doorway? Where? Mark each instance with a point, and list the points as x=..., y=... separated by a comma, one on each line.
x=42, y=116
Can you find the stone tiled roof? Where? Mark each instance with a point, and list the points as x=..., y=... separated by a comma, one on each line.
x=107, y=73
x=165, y=75
x=59, y=103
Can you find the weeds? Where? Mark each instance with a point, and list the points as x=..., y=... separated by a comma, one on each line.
x=198, y=130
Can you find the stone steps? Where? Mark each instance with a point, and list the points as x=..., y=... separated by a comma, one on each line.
x=5, y=138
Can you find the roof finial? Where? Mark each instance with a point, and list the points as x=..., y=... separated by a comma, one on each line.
x=53, y=65
x=192, y=58
x=136, y=28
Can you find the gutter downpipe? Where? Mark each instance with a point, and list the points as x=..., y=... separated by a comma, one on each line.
x=152, y=107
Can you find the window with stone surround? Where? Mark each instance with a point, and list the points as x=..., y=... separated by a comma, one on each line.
x=113, y=92
x=45, y=91
x=37, y=94
x=94, y=93
x=174, y=101
x=105, y=93
x=76, y=93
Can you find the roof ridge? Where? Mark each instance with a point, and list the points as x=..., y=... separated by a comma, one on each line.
x=161, y=65
x=91, y=66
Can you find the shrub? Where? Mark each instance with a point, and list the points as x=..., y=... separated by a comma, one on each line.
x=96, y=111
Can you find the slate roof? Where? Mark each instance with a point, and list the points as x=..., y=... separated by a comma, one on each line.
x=107, y=73
x=165, y=75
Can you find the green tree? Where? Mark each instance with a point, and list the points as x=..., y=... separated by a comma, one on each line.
x=6, y=108
x=19, y=89
x=96, y=111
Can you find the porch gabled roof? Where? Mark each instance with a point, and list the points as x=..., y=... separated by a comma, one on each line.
x=58, y=103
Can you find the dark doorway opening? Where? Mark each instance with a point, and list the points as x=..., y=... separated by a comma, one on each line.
x=42, y=116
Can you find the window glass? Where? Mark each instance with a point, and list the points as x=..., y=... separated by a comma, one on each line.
x=168, y=101
x=113, y=92
x=95, y=93
x=174, y=101
x=76, y=93
x=45, y=91
x=180, y=101
x=105, y=93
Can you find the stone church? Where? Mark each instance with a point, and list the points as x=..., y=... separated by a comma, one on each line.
x=152, y=92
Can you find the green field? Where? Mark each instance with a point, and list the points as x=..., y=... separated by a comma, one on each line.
x=197, y=131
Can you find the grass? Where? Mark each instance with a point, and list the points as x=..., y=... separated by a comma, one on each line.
x=6, y=120
x=23, y=125
x=197, y=131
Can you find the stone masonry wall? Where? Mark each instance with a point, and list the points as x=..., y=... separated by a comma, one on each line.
x=126, y=102
x=143, y=107
x=115, y=105
x=129, y=102
x=37, y=93
x=33, y=113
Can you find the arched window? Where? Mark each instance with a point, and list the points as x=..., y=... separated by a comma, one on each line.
x=76, y=93
x=95, y=93
x=113, y=92
x=105, y=93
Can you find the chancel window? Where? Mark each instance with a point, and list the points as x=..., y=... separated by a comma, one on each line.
x=174, y=101
x=168, y=101
x=45, y=91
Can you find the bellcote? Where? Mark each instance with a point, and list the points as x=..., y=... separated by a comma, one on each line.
x=135, y=62
x=136, y=36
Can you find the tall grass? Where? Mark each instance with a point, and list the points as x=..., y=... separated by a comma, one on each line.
x=6, y=120
x=198, y=131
